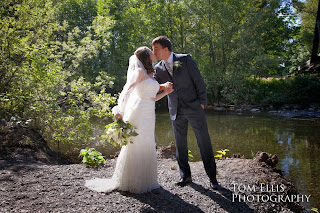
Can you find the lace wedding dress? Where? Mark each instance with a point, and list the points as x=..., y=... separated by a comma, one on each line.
x=136, y=167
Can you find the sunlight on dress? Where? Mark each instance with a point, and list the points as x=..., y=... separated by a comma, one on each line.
x=136, y=167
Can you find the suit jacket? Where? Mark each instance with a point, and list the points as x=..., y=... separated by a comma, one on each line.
x=189, y=87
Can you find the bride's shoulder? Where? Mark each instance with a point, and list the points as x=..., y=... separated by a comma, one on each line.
x=141, y=73
x=140, y=70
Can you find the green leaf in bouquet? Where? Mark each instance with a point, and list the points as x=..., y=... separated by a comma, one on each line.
x=134, y=133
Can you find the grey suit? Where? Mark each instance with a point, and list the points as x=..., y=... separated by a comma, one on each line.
x=185, y=107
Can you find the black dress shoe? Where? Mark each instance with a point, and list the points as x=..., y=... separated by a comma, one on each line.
x=214, y=186
x=184, y=181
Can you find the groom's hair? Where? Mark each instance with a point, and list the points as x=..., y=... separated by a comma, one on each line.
x=163, y=41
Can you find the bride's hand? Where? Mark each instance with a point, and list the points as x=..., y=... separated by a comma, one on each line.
x=118, y=115
x=165, y=85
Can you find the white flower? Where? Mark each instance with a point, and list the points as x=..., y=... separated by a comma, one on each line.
x=110, y=131
x=177, y=64
x=115, y=136
x=120, y=132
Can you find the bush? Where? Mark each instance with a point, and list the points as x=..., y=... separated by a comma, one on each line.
x=296, y=90
x=91, y=157
x=42, y=61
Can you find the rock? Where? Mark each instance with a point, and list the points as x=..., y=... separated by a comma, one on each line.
x=273, y=112
x=173, y=167
x=26, y=144
x=236, y=156
x=115, y=154
x=167, y=151
x=273, y=160
x=311, y=109
x=239, y=111
x=3, y=122
x=255, y=110
x=219, y=108
x=262, y=156
x=267, y=158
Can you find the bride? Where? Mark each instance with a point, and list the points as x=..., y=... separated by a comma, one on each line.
x=136, y=167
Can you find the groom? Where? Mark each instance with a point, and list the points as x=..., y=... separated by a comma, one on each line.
x=186, y=105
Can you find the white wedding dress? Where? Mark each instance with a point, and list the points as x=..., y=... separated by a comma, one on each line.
x=136, y=167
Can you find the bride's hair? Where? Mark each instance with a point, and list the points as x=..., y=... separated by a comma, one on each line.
x=143, y=55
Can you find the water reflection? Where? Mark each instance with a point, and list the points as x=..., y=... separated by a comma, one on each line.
x=295, y=142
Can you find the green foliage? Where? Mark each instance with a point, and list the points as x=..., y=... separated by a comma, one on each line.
x=61, y=61
x=252, y=154
x=190, y=155
x=274, y=91
x=308, y=12
x=222, y=154
x=91, y=157
x=298, y=56
x=69, y=119
x=45, y=70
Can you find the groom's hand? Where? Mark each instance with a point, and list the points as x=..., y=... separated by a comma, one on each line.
x=168, y=87
x=168, y=84
x=202, y=106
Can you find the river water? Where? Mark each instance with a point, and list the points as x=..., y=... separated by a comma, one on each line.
x=296, y=142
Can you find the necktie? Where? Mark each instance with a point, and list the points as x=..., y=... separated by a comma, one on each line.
x=168, y=68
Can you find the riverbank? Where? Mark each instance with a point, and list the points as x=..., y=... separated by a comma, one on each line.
x=286, y=111
x=38, y=187
x=30, y=183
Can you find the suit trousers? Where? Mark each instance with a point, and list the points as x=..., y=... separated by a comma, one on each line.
x=199, y=125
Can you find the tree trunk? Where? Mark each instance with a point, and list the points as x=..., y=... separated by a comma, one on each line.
x=315, y=46
x=211, y=50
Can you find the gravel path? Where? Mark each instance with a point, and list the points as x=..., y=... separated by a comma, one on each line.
x=39, y=187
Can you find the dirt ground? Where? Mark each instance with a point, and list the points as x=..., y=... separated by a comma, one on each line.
x=35, y=179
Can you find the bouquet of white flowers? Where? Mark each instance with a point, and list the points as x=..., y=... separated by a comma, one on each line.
x=120, y=132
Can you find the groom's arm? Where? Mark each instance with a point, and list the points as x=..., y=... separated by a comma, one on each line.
x=197, y=80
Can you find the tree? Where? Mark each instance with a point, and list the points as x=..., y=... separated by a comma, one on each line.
x=39, y=57
x=315, y=45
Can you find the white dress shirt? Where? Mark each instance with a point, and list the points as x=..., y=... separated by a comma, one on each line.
x=169, y=63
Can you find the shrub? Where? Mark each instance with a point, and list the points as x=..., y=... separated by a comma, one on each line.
x=91, y=157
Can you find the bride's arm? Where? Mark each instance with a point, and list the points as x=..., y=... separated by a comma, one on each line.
x=165, y=85
x=164, y=90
